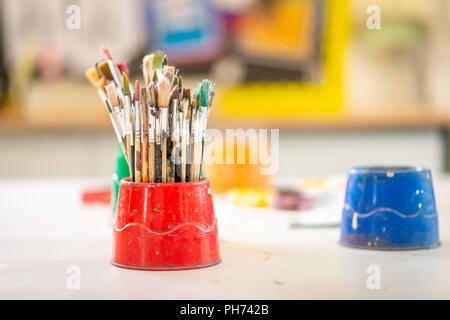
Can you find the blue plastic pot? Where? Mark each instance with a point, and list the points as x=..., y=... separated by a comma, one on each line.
x=390, y=208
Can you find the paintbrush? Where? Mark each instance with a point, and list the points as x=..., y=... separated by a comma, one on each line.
x=198, y=140
x=172, y=142
x=93, y=77
x=137, y=131
x=105, y=71
x=145, y=137
x=152, y=146
x=128, y=122
x=112, y=66
x=100, y=84
x=193, y=134
x=114, y=101
x=205, y=93
x=169, y=74
x=164, y=93
x=151, y=128
x=117, y=131
x=147, y=62
x=192, y=126
x=157, y=151
x=158, y=62
x=185, y=141
x=178, y=136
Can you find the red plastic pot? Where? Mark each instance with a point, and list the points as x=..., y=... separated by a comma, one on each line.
x=165, y=226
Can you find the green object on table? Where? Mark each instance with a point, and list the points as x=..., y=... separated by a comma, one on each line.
x=122, y=171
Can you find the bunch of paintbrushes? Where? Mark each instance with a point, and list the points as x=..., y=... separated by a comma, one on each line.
x=161, y=127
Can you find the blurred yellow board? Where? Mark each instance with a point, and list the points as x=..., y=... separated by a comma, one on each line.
x=278, y=100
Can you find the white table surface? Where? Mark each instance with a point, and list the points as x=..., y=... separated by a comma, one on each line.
x=44, y=229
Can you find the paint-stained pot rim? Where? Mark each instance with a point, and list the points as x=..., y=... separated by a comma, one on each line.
x=127, y=181
x=167, y=268
x=417, y=247
x=380, y=169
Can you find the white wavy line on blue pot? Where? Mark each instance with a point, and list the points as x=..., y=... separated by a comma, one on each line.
x=349, y=207
x=170, y=230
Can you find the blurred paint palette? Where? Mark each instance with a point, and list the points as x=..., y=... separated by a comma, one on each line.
x=306, y=203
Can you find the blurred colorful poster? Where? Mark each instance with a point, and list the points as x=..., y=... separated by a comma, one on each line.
x=189, y=31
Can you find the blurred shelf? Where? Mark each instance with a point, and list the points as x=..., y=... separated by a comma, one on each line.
x=59, y=122
x=397, y=118
x=59, y=106
x=73, y=106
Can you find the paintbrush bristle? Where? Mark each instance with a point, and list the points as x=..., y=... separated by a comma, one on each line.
x=106, y=51
x=204, y=93
x=164, y=92
x=211, y=97
x=180, y=83
x=147, y=66
x=126, y=84
x=103, y=69
x=169, y=72
x=92, y=75
x=101, y=83
x=151, y=93
x=157, y=62
x=187, y=93
x=155, y=76
x=112, y=94
x=137, y=91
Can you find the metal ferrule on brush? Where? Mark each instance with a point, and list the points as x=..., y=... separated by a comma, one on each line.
x=128, y=115
x=137, y=120
x=151, y=124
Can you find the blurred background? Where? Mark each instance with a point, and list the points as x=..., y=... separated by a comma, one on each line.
x=341, y=92
x=346, y=82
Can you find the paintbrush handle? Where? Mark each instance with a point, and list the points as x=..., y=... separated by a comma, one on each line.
x=128, y=153
x=133, y=175
x=201, y=156
x=144, y=141
x=144, y=159
x=137, y=158
x=158, y=163
x=192, y=162
x=198, y=146
x=188, y=162
x=152, y=161
x=164, y=159
x=183, y=161
x=178, y=164
x=171, y=162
